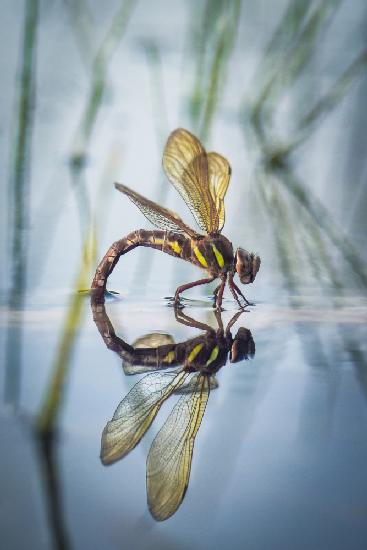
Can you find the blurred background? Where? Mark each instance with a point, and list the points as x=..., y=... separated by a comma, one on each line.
x=90, y=92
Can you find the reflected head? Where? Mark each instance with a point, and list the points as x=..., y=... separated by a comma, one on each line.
x=247, y=265
x=243, y=346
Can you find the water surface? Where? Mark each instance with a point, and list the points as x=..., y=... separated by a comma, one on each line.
x=279, y=459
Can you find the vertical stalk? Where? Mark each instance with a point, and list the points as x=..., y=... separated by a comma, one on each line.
x=19, y=191
x=48, y=416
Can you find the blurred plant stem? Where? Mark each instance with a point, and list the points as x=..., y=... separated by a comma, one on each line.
x=48, y=415
x=219, y=63
x=329, y=100
x=82, y=23
x=99, y=81
x=289, y=252
x=159, y=104
x=52, y=485
x=143, y=267
x=97, y=66
x=287, y=62
x=301, y=224
x=19, y=197
x=283, y=36
x=324, y=221
x=282, y=231
x=300, y=43
x=46, y=425
x=213, y=39
x=47, y=418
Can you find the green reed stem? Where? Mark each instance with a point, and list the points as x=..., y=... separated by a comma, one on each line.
x=82, y=23
x=222, y=53
x=329, y=101
x=47, y=418
x=282, y=38
x=99, y=79
x=19, y=191
x=321, y=216
x=293, y=62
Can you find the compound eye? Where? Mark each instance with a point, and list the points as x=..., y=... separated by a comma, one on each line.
x=244, y=265
x=247, y=265
x=255, y=266
x=243, y=346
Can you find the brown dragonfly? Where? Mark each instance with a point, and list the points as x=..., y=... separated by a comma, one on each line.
x=202, y=180
x=187, y=368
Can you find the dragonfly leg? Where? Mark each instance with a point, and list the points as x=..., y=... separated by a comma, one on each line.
x=235, y=291
x=235, y=296
x=190, y=322
x=219, y=296
x=215, y=293
x=233, y=320
x=191, y=285
x=216, y=290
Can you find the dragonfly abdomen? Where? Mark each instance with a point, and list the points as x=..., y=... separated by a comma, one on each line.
x=173, y=243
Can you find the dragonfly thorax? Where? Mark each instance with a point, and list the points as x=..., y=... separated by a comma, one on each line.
x=213, y=253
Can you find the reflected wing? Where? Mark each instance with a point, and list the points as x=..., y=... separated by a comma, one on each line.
x=130, y=369
x=153, y=340
x=186, y=164
x=169, y=459
x=136, y=412
x=219, y=174
x=161, y=217
x=187, y=387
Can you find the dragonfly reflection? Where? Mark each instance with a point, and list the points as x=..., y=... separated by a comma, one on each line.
x=192, y=366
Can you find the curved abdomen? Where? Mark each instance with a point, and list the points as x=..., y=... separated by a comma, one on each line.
x=170, y=242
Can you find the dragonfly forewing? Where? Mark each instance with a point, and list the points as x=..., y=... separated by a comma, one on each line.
x=136, y=412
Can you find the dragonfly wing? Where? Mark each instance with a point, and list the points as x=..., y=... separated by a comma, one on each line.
x=161, y=217
x=186, y=165
x=169, y=459
x=187, y=387
x=153, y=340
x=219, y=171
x=136, y=412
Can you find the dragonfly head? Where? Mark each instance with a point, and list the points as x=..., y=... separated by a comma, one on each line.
x=243, y=346
x=247, y=265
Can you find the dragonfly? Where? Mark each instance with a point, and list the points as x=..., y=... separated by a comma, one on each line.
x=202, y=180
x=186, y=368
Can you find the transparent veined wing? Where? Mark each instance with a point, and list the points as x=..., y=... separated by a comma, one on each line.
x=161, y=217
x=185, y=162
x=136, y=412
x=169, y=458
x=219, y=171
x=187, y=386
x=153, y=355
x=153, y=340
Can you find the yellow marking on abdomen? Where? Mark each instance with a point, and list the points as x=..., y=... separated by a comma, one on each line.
x=174, y=244
x=175, y=247
x=218, y=256
x=169, y=357
x=158, y=241
x=197, y=349
x=213, y=355
x=200, y=257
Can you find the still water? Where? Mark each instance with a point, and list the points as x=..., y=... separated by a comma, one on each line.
x=89, y=97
